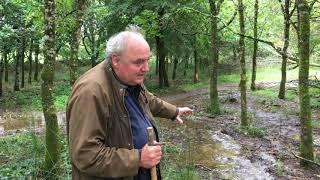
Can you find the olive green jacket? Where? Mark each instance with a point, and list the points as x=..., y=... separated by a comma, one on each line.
x=98, y=126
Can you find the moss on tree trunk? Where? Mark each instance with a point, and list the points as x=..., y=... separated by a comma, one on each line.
x=255, y=46
x=52, y=155
x=286, y=32
x=306, y=146
x=243, y=79
x=80, y=6
x=214, y=99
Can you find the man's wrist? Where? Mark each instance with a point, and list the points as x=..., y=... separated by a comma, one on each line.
x=175, y=115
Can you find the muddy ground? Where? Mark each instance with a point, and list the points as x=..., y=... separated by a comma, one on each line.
x=276, y=150
x=216, y=147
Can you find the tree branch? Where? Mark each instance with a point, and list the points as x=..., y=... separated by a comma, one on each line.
x=85, y=46
x=229, y=22
x=277, y=49
x=200, y=12
x=292, y=11
x=312, y=3
x=299, y=157
x=282, y=8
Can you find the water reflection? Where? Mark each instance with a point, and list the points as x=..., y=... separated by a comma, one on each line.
x=11, y=122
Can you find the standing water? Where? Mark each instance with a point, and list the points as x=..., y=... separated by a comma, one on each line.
x=14, y=122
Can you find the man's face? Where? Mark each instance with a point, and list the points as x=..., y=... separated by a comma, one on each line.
x=133, y=63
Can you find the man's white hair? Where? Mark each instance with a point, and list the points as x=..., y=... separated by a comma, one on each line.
x=117, y=43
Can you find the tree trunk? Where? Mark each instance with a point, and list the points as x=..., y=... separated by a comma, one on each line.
x=1, y=72
x=93, y=44
x=234, y=48
x=186, y=65
x=157, y=64
x=255, y=46
x=52, y=130
x=286, y=33
x=214, y=98
x=75, y=41
x=30, y=61
x=16, y=69
x=6, y=66
x=306, y=146
x=175, y=64
x=36, y=60
x=166, y=79
x=90, y=32
x=22, y=56
x=243, y=79
x=161, y=51
x=196, y=61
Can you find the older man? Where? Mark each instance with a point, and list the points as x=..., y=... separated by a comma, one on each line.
x=109, y=111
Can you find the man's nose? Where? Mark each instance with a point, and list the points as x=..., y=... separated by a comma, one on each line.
x=145, y=67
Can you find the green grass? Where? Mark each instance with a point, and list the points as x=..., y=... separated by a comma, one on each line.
x=173, y=168
x=29, y=98
x=273, y=94
x=253, y=131
x=315, y=123
x=22, y=157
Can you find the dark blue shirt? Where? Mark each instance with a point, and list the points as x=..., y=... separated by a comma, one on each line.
x=139, y=124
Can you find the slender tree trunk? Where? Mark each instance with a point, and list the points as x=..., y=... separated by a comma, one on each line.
x=306, y=146
x=255, y=46
x=36, y=61
x=161, y=50
x=166, y=79
x=22, y=60
x=75, y=41
x=52, y=130
x=175, y=64
x=160, y=65
x=196, y=61
x=286, y=32
x=90, y=32
x=157, y=64
x=234, y=48
x=243, y=79
x=93, y=44
x=30, y=61
x=6, y=66
x=16, y=69
x=214, y=98
x=186, y=65
x=1, y=73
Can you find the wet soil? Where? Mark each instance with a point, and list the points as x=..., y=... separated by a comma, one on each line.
x=275, y=153
x=216, y=147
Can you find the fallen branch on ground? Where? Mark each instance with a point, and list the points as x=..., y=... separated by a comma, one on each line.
x=299, y=157
x=203, y=167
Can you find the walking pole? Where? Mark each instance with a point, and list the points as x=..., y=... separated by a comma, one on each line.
x=151, y=143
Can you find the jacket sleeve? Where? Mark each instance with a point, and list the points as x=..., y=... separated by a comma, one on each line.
x=160, y=108
x=87, y=121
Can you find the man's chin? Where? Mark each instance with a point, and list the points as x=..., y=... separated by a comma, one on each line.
x=140, y=81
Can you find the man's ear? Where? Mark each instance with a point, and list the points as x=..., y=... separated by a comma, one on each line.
x=115, y=60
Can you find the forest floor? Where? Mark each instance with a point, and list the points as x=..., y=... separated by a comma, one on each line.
x=215, y=147
x=272, y=144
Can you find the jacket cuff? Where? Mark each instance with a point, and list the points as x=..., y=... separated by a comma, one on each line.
x=175, y=115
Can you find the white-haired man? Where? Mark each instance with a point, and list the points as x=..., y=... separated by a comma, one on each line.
x=109, y=110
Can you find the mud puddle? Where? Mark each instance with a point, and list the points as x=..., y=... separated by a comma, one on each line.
x=16, y=122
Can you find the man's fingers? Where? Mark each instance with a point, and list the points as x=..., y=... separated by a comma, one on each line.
x=155, y=143
x=179, y=120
